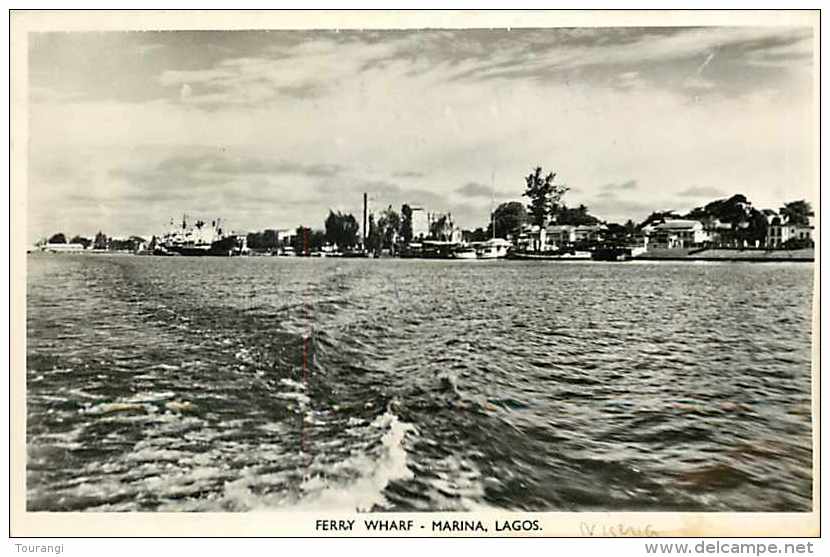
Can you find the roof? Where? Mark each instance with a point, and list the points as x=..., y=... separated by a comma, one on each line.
x=678, y=224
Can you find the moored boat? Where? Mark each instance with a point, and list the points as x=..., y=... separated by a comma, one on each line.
x=495, y=248
x=468, y=253
x=571, y=255
x=199, y=239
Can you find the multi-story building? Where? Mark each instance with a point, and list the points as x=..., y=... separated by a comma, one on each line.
x=420, y=223
x=558, y=235
x=680, y=233
x=779, y=231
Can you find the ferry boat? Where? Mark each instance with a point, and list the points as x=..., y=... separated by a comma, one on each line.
x=495, y=248
x=564, y=255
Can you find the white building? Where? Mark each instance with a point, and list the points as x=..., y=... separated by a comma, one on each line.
x=420, y=223
x=556, y=236
x=779, y=232
x=679, y=233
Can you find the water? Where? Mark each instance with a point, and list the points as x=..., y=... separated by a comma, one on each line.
x=207, y=384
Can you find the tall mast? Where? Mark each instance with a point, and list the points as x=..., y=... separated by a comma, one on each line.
x=493, y=202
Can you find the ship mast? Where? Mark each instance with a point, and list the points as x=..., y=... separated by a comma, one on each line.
x=493, y=202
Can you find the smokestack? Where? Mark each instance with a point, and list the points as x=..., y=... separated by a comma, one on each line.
x=365, y=209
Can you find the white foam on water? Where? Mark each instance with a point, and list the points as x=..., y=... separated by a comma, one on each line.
x=360, y=494
x=292, y=384
x=117, y=407
x=367, y=490
x=166, y=367
x=150, y=396
x=299, y=397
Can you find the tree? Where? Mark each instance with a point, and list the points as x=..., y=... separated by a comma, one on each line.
x=86, y=242
x=544, y=195
x=374, y=237
x=317, y=240
x=746, y=224
x=508, y=218
x=342, y=230
x=477, y=235
x=733, y=210
x=253, y=240
x=406, y=224
x=618, y=233
x=657, y=217
x=58, y=238
x=264, y=241
x=797, y=212
x=101, y=241
x=754, y=232
x=577, y=217
x=389, y=223
x=438, y=228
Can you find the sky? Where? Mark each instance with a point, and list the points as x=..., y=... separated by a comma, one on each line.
x=272, y=129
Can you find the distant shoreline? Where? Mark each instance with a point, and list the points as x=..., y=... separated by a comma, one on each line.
x=714, y=255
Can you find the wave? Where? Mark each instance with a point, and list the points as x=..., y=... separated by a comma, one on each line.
x=362, y=494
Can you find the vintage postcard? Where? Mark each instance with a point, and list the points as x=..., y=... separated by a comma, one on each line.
x=415, y=273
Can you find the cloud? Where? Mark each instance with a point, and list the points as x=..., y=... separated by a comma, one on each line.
x=630, y=80
x=477, y=190
x=698, y=83
x=621, y=186
x=617, y=210
x=633, y=49
x=701, y=191
x=185, y=92
x=377, y=190
x=474, y=189
x=409, y=174
x=305, y=70
x=782, y=51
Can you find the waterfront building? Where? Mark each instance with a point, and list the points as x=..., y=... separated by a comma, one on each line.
x=589, y=232
x=556, y=236
x=559, y=235
x=720, y=233
x=679, y=233
x=420, y=223
x=780, y=231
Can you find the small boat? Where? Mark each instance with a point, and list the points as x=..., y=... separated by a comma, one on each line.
x=495, y=248
x=562, y=255
x=465, y=253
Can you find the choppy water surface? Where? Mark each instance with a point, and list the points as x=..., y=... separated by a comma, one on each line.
x=205, y=384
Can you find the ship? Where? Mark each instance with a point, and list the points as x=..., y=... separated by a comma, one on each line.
x=199, y=239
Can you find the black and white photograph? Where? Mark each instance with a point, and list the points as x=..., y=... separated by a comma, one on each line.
x=421, y=269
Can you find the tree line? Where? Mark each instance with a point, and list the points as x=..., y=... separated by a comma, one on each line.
x=100, y=242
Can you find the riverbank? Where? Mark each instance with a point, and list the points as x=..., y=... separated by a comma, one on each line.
x=678, y=254
x=727, y=254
